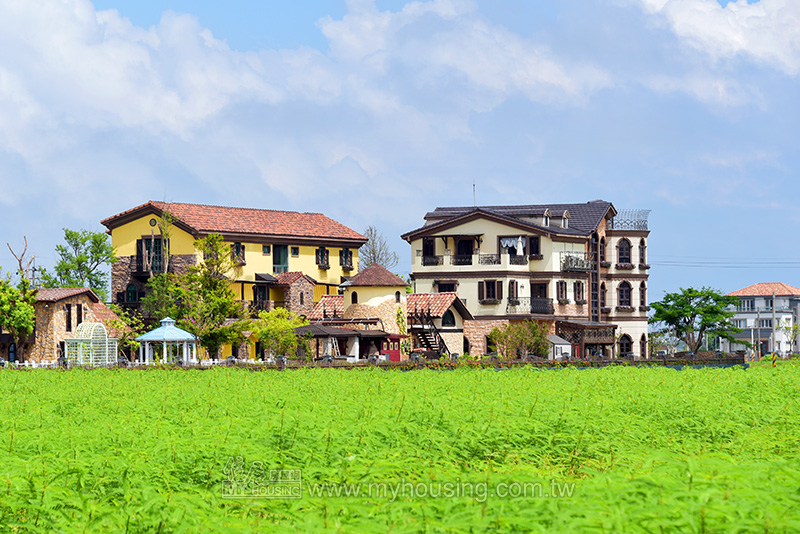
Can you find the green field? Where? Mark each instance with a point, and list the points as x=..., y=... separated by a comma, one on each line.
x=625, y=449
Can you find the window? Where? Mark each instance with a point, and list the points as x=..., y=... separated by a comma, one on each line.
x=746, y=305
x=535, y=248
x=767, y=304
x=624, y=291
x=561, y=290
x=237, y=253
x=642, y=252
x=642, y=295
x=397, y=296
x=131, y=293
x=490, y=291
x=448, y=319
x=265, y=250
x=740, y=323
x=323, y=258
x=603, y=249
x=346, y=259
x=354, y=298
x=12, y=352
x=564, y=222
x=446, y=287
x=149, y=254
x=79, y=310
x=624, y=251
x=643, y=347
x=547, y=220
x=578, y=291
x=235, y=351
x=295, y=251
x=603, y=295
x=513, y=290
x=766, y=323
x=280, y=259
x=625, y=345
x=68, y=319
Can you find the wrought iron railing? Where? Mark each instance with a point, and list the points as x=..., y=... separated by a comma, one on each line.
x=464, y=259
x=517, y=259
x=576, y=262
x=630, y=220
x=432, y=260
x=489, y=259
x=526, y=305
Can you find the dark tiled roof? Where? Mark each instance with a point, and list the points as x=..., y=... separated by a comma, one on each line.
x=584, y=218
x=376, y=275
x=332, y=305
x=287, y=279
x=60, y=293
x=228, y=220
x=766, y=289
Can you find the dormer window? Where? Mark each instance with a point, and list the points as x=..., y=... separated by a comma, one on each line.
x=564, y=223
x=547, y=220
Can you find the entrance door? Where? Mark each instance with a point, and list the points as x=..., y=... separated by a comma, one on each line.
x=539, y=291
x=464, y=252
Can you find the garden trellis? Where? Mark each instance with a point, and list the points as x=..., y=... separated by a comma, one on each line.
x=91, y=346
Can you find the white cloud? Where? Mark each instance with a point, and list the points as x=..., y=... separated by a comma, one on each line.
x=766, y=31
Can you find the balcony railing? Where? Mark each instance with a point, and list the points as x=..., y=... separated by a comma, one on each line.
x=576, y=262
x=432, y=260
x=488, y=259
x=526, y=305
x=465, y=259
x=517, y=259
x=277, y=269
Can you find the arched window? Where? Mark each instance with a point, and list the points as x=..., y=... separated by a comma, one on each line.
x=603, y=295
x=642, y=252
x=448, y=319
x=625, y=345
x=624, y=251
x=642, y=294
x=131, y=293
x=12, y=352
x=603, y=249
x=397, y=296
x=354, y=298
x=624, y=291
x=643, y=347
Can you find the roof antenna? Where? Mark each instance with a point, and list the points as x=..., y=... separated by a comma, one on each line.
x=474, y=201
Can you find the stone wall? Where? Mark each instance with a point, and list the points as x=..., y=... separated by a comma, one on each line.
x=476, y=332
x=292, y=296
x=122, y=272
x=578, y=311
x=386, y=312
x=454, y=341
x=51, y=326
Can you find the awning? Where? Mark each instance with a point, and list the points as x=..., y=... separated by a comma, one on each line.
x=264, y=277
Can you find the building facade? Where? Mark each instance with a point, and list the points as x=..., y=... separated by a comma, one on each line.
x=766, y=314
x=286, y=259
x=582, y=268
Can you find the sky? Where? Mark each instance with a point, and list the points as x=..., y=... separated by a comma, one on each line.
x=374, y=112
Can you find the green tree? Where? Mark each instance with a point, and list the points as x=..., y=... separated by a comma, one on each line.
x=692, y=313
x=206, y=305
x=129, y=325
x=275, y=330
x=17, y=314
x=376, y=250
x=520, y=339
x=162, y=297
x=81, y=262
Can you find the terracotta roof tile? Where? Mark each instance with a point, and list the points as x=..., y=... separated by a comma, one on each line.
x=59, y=293
x=766, y=289
x=331, y=304
x=376, y=275
x=287, y=279
x=105, y=315
x=222, y=219
x=437, y=303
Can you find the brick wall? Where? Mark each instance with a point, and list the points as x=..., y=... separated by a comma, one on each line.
x=386, y=312
x=292, y=298
x=51, y=326
x=476, y=332
x=122, y=269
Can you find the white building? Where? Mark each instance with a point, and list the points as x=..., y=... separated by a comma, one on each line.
x=766, y=313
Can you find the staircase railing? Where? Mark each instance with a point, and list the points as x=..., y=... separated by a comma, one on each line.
x=425, y=320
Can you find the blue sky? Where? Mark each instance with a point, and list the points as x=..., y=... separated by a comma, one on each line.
x=374, y=112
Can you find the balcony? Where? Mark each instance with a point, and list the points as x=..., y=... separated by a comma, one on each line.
x=428, y=261
x=576, y=262
x=516, y=259
x=528, y=305
x=462, y=260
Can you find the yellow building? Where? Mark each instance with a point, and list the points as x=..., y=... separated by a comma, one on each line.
x=286, y=259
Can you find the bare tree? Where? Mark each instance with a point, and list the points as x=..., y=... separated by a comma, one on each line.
x=24, y=268
x=376, y=250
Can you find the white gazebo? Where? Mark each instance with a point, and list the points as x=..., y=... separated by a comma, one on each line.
x=173, y=342
x=91, y=346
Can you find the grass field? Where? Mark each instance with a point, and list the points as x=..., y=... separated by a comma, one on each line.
x=471, y=450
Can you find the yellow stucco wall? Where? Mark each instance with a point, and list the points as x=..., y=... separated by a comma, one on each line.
x=124, y=237
x=373, y=296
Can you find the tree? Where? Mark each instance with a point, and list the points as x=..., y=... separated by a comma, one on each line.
x=17, y=314
x=792, y=330
x=376, y=250
x=205, y=302
x=81, y=261
x=128, y=325
x=275, y=330
x=692, y=313
x=520, y=339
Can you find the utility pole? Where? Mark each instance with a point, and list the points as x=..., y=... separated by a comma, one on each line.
x=758, y=331
x=774, y=323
